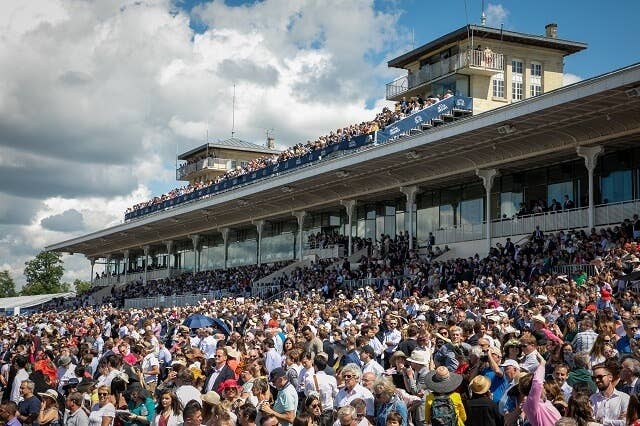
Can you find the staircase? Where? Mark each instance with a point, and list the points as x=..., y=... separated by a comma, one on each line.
x=284, y=271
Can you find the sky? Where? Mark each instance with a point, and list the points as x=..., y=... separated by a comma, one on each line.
x=96, y=97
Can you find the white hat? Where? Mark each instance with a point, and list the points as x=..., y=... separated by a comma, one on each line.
x=420, y=357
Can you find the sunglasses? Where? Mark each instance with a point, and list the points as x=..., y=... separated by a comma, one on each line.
x=315, y=405
x=102, y=394
x=348, y=376
x=600, y=376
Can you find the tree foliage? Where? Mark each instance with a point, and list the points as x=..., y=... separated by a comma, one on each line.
x=43, y=274
x=81, y=286
x=7, y=286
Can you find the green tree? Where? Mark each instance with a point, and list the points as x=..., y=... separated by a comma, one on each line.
x=7, y=286
x=43, y=274
x=81, y=286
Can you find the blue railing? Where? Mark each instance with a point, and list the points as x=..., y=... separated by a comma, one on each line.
x=446, y=106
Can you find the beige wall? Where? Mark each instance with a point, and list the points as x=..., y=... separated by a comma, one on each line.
x=227, y=154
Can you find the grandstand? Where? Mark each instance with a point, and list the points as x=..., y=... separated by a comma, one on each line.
x=485, y=160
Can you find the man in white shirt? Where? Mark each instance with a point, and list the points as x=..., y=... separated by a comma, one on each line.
x=186, y=391
x=369, y=364
x=392, y=337
x=150, y=367
x=20, y=362
x=272, y=358
x=320, y=382
x=352, y=389
x=609, y=405
x=208, y=343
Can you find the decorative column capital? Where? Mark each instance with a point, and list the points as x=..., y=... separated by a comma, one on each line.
x=195, y=240
x=590, y=155
x=487, y=176
x=259, y=225
x=125, y=253
x=225, y=234
x=300, y=215
x=350, y=205
x=410, y=192
x=169, y=245
x=146, y=249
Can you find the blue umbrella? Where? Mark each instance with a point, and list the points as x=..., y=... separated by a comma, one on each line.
x=198, y=321
x=202, y=321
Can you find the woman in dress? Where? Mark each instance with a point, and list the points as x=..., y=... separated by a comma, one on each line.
x=168, y=410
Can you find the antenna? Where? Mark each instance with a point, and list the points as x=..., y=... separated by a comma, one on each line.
x=483, y=17
x=233, y=112
x=413, y=39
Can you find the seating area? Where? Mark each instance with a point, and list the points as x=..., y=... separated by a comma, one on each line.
x=406, y=119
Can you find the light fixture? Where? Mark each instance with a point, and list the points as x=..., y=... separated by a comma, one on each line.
x=507, y=129
x=342, y=174
x=413, y=155
x=243, y=203
x=287, y=189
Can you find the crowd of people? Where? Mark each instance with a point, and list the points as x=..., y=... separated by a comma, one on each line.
x=383, y=119
x=499, y=340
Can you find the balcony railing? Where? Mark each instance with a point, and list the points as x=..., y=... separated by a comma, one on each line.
x=605, y=214
x=174, y=300
x=474, y=59
x=152, y=274
x=210, y=163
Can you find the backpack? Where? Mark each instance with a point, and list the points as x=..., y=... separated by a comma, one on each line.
x=443, y=412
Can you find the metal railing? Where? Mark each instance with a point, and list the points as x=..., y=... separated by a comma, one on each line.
x=264, y=291
x=571, y=270
x=174, y=300
x=205, y=163
x=329, y=252
x=473, y=58
x=155, y=274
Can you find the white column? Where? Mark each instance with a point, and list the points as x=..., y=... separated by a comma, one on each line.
x=225, y=237
x=410, y=192
x=107, y=268
x=195, y=240
x=126, y=264
x=146, y=262
x=93, y=263
x=169, y=245
x=590, y=155
x=300, y=216
x=487, y=176
x=350, y=205
x=259, y=226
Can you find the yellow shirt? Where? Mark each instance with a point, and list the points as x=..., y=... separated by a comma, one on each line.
x=457, y=406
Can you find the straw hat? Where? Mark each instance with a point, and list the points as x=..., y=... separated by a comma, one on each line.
x=49, y=393
x=441, y=380
x=211, y=397
x=539, y=318
x=480, y=385
x=395, y=356
x=420, y=357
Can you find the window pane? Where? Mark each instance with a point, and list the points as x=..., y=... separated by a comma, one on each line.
x=616, y=187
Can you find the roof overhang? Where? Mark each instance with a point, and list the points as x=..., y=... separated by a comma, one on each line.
x=480, y=32
x=212, y=146
x=543, y=130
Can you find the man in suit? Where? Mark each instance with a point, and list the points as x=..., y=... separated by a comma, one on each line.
x=568, y=204
x=220, y=372
x=630, y=377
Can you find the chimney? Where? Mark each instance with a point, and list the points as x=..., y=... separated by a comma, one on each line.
x=551, y=30
x=271, y=142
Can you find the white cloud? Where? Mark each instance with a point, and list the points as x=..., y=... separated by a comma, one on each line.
x=568, y=78
x=497, y=14
x=103, y=92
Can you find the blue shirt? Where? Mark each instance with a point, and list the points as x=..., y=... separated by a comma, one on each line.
x=624, y=345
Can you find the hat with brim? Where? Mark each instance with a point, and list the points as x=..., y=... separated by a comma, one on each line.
x=211, y=397
x=480, y=385
x=85, y=385
x=49, y=393
x=442, y=380
x=395, y=356
x=420, y=357
x=232, y=353
x=539, y=318
x=72, y=383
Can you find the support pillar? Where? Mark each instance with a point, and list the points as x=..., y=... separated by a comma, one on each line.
x=590, y=155
x=169, y=245
x=93, y=263
x=107, y=268
x=300, y=216
x=126, y=264
x=410, y=192
x=225, y=238
x=146, y=262
x=487, y=176
x=350, y=205
x=259, y=226
x=195, y=240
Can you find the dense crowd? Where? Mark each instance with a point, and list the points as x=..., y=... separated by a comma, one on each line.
x=385, y=118
x=500, y=340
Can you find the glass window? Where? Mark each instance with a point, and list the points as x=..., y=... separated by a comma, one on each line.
x=516, y=80
x=498, y=86
x=616, y=187
x=510, y=203
x=278, y=247
x=535, y=88
x=447, y=216
x=471, y=211
x=559, y=190
x=427, y=222
x=242, y=253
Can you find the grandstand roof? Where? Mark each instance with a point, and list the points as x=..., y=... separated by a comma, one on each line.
x=231, y=143
x=28, y=301
x=480, y=32
x=545, y=130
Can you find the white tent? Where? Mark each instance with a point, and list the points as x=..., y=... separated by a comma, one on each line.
x=21, y=302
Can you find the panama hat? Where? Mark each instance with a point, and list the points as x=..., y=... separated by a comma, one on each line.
x=49, y=393
x=420, y=357
x=442, y=380
x=480, y=385
x=211, y=397
x=395, y=356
